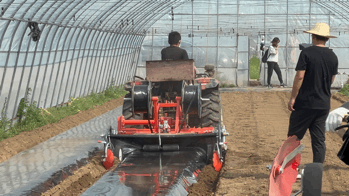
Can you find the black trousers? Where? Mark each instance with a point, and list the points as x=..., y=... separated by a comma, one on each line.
x=274, y=66
x=314, y=119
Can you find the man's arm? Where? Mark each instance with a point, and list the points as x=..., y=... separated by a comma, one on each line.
x=297, y=83
x=333, y=77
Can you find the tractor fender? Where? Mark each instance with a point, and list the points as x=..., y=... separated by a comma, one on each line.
x=207, y=83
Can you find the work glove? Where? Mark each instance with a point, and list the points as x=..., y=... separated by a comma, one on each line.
x=335, y=118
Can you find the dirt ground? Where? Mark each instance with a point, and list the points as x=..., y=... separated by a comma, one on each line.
x=258, y=124
x=82, y=179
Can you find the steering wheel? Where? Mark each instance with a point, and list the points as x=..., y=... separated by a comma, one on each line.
x=139, y=77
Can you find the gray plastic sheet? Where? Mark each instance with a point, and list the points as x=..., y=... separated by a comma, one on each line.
x=151, y=173
x=36, y=170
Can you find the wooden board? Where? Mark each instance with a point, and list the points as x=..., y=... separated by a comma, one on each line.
x=157, y=71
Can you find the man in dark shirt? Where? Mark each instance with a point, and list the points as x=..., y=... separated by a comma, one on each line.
x=311, y=93
x=174, y=52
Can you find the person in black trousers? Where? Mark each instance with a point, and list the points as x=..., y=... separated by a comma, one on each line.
x=310, y=100
x=273, y=62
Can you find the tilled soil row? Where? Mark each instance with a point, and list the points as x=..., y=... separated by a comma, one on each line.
x=258, y=124
x=25, y=140
x=82, y=179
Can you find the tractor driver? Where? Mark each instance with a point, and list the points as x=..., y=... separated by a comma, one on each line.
x=174, y=52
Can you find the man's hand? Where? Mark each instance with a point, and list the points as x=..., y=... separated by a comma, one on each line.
x=290, y=104
x=335, y=118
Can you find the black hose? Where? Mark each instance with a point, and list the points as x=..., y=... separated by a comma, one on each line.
x=151, y=130
x=185, y=114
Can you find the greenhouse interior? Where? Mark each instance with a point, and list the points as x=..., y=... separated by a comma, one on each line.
x=68, y=48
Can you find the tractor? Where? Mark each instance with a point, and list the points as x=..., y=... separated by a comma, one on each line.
x=173, y=108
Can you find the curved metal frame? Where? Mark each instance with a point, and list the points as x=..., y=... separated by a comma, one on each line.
x=107, y=48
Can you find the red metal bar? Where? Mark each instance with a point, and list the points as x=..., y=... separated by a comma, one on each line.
x=131, y=131
x=178, y=99
x=137, y=122
x=167, y=105
x=156, y=113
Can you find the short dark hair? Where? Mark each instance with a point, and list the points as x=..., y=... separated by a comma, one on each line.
x=276, y=39
x=321, y=38
x=174, y=37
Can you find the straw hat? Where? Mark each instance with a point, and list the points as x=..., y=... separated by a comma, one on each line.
x=321, y=29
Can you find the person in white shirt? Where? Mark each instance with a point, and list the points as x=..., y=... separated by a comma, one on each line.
x=273, y=62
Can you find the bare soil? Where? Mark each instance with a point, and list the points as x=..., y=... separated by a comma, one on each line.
x=207, y=182
x=258, y=124
x=82, y=179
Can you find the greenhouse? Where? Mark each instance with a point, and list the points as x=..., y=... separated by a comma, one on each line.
x=63, y=49
x=174, y=97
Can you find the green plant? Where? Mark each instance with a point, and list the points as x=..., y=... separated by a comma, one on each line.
x=254, y=67
x=345, y=90
x=33, y=117
x=4, y=121
x=224, y=85
x=23, y=104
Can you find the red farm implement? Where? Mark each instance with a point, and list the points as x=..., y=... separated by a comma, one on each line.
x=173, y=108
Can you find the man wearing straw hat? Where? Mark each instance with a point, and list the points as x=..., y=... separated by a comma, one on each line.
x=310, y=99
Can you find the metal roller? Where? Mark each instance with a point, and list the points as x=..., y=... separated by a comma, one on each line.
x=165, y=148
x=141, y=99
x=192, y=94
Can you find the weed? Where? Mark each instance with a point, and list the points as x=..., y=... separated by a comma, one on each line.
x=32, y=117
x=345, y=90
x=254, y=67
x=4, y=121
x=224, y=85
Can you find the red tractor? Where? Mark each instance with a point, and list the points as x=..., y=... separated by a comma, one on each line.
x=173, y=108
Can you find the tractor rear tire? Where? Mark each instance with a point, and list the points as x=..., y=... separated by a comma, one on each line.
x=127, y=112
x=211, y=109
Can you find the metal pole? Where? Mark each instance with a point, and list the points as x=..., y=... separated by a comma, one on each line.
x=59, y=67
x=309, y=20
x=139, y=52
x=217, y=37
x=42, y=51
x=192, y=29
x=72, y=57
x=286, y=43
x=155, y=8
x=95, y=50
x=265, y=40
x=98, y=71
x=53, y=67
x=152, y=42
x=50, y=50
x=237, y=41
x=91, y=59
x=103, y=76
x=106, y=83
x=24, y=63
x=80, y=59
